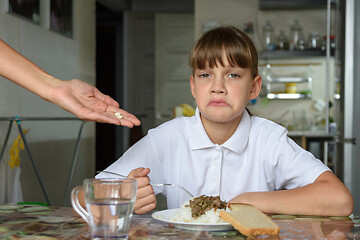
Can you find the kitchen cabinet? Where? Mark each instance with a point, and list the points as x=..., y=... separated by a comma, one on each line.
x=297, y=86
x=286, y=75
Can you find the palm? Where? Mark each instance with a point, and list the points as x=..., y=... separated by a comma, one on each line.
x=88, y=103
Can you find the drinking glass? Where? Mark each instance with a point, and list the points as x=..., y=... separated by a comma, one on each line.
x=109, y=206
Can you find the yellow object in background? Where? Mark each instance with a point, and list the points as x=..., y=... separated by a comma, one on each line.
x=188, y=110
x=290, y=88
x=17, y=145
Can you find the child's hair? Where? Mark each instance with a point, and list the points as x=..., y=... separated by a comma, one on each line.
x=239, y=49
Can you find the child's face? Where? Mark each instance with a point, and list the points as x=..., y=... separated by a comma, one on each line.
x=221, y=93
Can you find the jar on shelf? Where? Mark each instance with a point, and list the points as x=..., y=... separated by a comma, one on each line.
x=314, y=41
x=282, y=41
x=295, y=32
x=290, y=88
x=301, y=43
x=268, y=36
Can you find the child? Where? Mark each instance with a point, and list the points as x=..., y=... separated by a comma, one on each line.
x=225, y=151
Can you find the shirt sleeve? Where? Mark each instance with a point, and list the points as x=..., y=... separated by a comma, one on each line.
x=141, y=154
x=293, y=166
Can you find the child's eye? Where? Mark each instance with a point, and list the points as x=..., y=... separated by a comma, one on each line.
x=233, y=75
x=204, y=75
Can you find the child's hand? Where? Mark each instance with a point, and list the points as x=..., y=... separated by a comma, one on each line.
x=145, y=197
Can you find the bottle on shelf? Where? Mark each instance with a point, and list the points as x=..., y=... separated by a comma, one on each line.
x=282, y=41
x=314, y=41
x=268, y=36
x=249, y=29
x=332, y=44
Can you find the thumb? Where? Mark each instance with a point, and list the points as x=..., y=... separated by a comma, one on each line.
x=139, y=172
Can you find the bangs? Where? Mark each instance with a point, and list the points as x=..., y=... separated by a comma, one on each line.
x=235, y=45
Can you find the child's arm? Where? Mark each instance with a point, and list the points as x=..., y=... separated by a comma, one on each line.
x=327, y=196
x=145, y=196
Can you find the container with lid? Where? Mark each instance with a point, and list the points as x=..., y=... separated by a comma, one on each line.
x=268, y=36
x=295, y=32
x=290, y=88
x=301, y=43
x=314, y=40
x=282, y=41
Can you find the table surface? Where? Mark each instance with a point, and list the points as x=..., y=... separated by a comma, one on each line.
x=46, y=223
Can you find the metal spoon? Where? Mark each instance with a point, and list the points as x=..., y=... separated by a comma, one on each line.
x=152, y=184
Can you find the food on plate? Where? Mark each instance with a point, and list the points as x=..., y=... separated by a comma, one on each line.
x=249, y=220
x=200, y=205
x=203, y=209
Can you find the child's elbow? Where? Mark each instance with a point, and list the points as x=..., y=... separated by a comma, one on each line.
x=346, y=204
x=349, y=206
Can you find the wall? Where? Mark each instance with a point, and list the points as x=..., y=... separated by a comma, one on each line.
x=64, y=58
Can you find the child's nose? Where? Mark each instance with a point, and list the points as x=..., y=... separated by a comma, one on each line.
x=218, y=86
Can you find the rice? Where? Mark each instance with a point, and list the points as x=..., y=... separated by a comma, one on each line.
x=184, y=215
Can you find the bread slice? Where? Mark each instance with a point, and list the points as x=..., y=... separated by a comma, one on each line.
x=249, y=220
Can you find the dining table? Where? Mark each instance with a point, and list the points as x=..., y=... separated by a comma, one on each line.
x=39, y=222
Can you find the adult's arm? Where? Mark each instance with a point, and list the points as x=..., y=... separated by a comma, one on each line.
x=75, y=96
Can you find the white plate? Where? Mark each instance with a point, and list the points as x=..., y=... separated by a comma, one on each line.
x=165, y=216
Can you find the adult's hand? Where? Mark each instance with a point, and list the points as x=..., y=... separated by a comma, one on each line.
x=88, y=103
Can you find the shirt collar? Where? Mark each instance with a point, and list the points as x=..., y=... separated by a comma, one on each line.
x=236, y=143
x=198, y=136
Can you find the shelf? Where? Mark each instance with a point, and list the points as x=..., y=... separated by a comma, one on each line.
x=310, y=134
x=290, y=80
x=288, y=96
x=276, y=54
x=292, y=4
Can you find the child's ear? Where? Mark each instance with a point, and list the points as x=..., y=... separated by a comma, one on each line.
x=192, y=85
x=256, y=87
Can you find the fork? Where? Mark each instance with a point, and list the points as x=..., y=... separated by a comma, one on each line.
x=152, y=184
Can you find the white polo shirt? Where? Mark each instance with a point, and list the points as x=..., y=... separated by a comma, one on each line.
x=258, y=157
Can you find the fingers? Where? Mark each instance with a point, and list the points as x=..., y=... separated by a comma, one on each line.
x=145, y=196
x=106, y=114
x=145, y=204
x=128, y=120
x=105, y=98
x=112, y=109
x=139, y=172
x=108, y=117
x=102, y=108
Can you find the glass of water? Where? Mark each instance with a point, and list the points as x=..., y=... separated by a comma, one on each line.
x=109, y=206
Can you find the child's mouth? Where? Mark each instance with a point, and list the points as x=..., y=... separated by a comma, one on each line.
x=218, y=103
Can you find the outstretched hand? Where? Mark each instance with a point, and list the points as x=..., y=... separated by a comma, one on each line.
x=75, y=96
x=88, y=103
x=145, y=196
